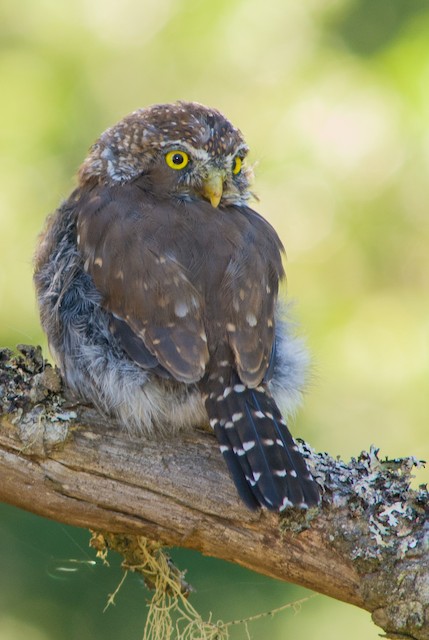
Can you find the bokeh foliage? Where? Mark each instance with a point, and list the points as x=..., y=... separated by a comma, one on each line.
x=333, y=97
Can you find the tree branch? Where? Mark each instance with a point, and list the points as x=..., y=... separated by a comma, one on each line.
x=368, y=545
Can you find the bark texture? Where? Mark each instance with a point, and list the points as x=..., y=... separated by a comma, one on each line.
x=368, y=545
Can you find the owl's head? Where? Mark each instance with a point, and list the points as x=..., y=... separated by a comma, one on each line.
x=183, y=150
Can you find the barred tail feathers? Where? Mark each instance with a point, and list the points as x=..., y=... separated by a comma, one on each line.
x=261, y=455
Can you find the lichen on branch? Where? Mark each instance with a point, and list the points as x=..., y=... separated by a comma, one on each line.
x=367, y=545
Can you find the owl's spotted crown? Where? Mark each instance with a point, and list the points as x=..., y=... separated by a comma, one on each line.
x=126, y=149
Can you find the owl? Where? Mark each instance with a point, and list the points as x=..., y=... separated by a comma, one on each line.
x=157, y=286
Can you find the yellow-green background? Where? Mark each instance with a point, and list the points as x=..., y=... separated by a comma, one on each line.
x=333, y=97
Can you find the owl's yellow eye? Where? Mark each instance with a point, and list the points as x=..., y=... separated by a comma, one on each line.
x=177, y=159
x=236, y=167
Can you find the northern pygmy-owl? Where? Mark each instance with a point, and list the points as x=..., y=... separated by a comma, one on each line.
x=157, y=286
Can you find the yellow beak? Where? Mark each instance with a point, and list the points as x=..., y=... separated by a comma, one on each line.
x=213, y=188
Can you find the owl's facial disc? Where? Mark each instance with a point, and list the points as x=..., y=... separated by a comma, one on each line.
x=212, y=185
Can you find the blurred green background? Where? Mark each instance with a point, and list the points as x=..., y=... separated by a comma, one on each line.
x=333, y=98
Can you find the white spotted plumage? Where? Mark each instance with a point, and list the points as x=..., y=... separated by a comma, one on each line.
x=158, y=292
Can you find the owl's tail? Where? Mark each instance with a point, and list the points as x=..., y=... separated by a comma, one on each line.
x=261, y=455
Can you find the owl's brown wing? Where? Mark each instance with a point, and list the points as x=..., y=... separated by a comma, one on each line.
x=251, y=322
x=124, y=244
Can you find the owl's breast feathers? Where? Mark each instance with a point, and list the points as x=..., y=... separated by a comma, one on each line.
x=182, y=279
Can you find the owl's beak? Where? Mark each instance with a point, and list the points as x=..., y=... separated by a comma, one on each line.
x=213, y=188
